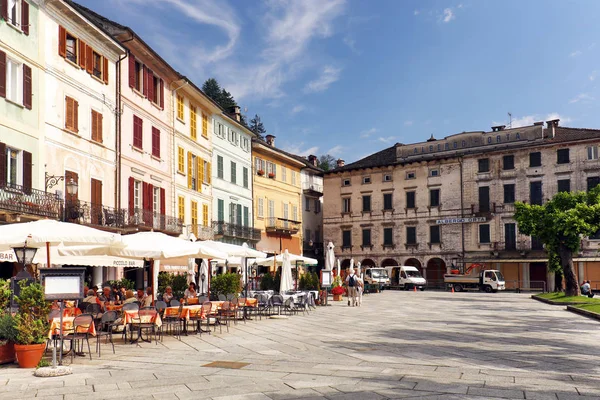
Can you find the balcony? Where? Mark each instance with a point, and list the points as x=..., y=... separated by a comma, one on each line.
x=17, y=201
x=483, y=209
x=281, y=226
x=201, y=232
x=312, y=189
x=223, y=229
x=121, y=220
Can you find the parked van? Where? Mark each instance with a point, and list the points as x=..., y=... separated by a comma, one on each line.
x=377, y=276
x=406, y=277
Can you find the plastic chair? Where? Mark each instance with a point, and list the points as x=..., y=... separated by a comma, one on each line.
x=81, y=327
x=175, y=303
x=222, y=297
x=107, y=323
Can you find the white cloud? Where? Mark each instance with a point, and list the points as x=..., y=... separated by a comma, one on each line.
x=448, y=15
x=387, y=140
x=328, y=76
x=299, y=149
x=298, y=109
x=351, y=43
x=459, y=6
x=593, y=76
x=576, y=53
x=581, y=97
x=336, y=151
x=408, y=123
x=528, y=120
x=416, y=12
x=368, y=133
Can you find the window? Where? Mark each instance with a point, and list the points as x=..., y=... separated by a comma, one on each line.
x=14, y=12
x=195, y=218
x=509, y=193
x=71, y=114
x=137, y=132
x=220, y=167
x=138, y=78
x=207, y=172
x=366, y=203
x=220, y=210
x=230, y=135
x=345, y=182
x=97, y=65
x=410, y=199
x=155, y=89
x=14, y=80
x=283, y=174
x=346, y=239
x=245, y=144
x=245, y=177
x=411, y=175
x=592, y=182
x=307, y=234
x=193, y=172
x=535, y=159
x=193, y=125
x=535, y=193
x=564, y=185
x=233, y=173
x=295, y=213
x=317, y=206
x=483, y=165
x=510, y=236
x=508, y=162
x=205, y=214
x=271, y=208
x=72, y=49
x=434, y=172
x=180, y=160
x=592, y=153
x=484, y=233
x=204, y=125
x=366, y=180
x=562, y=156
x=536, y=244
x=12, y=167
x=261, y=207
x=306, y=204
x=179, y=100
x=411, y=235
x=484, y=199
x=259, y=166
x=155, y=142
x=156, y=199
x=434, y=198
x=294, y=178
x=388, y=237
x=271, y=169
x=346, y=205
x=434, y=234
x=317, y=235
x=181, y=208
x=137, y=194
x=366, y=237
x=96, y=126
x=246, y=216
x=388, y=201
x=387, y=177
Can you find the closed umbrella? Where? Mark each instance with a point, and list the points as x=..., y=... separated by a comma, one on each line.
x=286, y=274
x=204, y=282
x=351, y=264
x=330, y=257
x=338, y=267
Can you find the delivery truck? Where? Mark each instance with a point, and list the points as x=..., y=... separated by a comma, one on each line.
x=405, y=277
x=489, y=281
x=376, y=276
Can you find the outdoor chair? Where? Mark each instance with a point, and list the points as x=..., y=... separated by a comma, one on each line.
x=83, y=305
x=80, y=332
x=149, y=326
x=262, y=305
x=107, y=323
x=242, y=308
x=224, y=314
x=207, y=313
x=289, y=306
x=169, y=321
x=130, y=307
x=196, y=316
x=222, y=297
x=202, y=299
x=230, y=297
x=175, y=303
x=95, y=310
x=276, y=301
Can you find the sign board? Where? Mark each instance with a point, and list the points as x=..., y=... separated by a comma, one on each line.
x=8, y=256
x=326, y=278
x=62, y=283
x=449, y=221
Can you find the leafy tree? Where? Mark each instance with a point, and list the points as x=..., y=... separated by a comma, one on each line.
x=327, y=162
x=227, y=100
x=559, y=224
x=226, y=284
x=257, y=126
x=212, y=89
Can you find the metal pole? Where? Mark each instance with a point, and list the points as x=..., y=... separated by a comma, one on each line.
x=246, y=285
x=62, y=309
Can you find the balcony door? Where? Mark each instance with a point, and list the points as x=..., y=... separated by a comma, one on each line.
x=71, y=200
x=96, y=217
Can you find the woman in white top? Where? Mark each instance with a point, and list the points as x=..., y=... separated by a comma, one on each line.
x=190, y=292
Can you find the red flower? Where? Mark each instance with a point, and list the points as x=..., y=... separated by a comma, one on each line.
x=338, y=290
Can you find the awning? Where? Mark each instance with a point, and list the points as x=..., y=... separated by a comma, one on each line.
x=89, y=261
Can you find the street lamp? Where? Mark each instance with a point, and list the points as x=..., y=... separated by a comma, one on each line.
x=25, y=256
x=72, y=189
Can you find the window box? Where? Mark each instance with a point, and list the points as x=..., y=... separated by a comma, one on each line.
x=411, y=245
x=271, y=175
x=260, y=172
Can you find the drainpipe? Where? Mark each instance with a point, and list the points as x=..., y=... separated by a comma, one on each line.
x=462, y=211
x=175, y=156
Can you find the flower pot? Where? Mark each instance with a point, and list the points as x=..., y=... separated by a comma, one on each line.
x=29, y=355
x=337, y=297
x=7, y=352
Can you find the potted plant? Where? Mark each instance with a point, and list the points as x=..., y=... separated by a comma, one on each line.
x=7, y=325
x=31, y=324
x=261, y=172
x=271, y=175
x=337, y=289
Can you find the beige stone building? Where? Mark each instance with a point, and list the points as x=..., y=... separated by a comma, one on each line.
x=449, y=202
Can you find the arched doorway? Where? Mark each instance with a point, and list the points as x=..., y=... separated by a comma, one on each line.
x=344, y=265
x=436, y=268
x=389, y=262
x=367, y=263
x=413, y=262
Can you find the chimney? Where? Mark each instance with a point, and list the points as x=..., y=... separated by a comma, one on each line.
x=552, y=124
x=313, y=160
x=270, y=140
x=539, y=123
x=340, y=163
x=235, y=113
x=498, y=128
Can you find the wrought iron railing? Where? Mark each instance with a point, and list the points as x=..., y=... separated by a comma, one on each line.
x=312, y=187
x=282, y=224
x=201, y=232
x=221, y=228
x=21, y=200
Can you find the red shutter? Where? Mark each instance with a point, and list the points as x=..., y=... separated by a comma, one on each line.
x=89, y=60
x=150, y=197
x=25, y=17
x=105, y=70
x=131, y=70
x=62, y=42
x=2, y=74
x=131, y=191
x=99, y=118
x=145, y=89
x=75, y=116
x=155, y=142
x=27, y=93
x=27, y=166
x=162, y=202
x=150, y=85
x=162, y=94
x=144, y=196
x=2, y=164
x=82, y=47
x=4, y=9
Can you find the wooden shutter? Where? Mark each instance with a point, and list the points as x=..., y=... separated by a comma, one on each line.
x=155, y=142
x=150, y=196
x=131, y=193
x=25, y=17
x=131, y=70
x=69, y=113
x=162, y=202
x=2, y=74
x=82, y=54
x=209, y=172
x=96, y=126
x=89, y=59
x=4, y=9
x=150, y=85
x=62, y=41
x=96, y=192
x=75, y=116
x=200, y=162
x=105, y=70
x=162, y=94
x=145, y=88
x=27, y=84
x=138, y=140
x=2, y=164
x=190, y=170
x=144, y=196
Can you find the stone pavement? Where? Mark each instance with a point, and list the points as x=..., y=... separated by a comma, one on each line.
x=425, y=345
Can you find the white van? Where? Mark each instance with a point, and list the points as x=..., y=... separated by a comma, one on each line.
x=406, y=277
x=377, y=276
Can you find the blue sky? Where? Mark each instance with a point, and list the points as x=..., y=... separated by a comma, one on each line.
x=351, y=77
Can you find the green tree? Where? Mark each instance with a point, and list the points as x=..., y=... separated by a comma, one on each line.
x=327, y=162
x=257, y=126
x=560, y=224
x=212, y=89
x=227, y=100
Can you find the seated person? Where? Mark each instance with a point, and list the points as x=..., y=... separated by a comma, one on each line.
x=168, y=295
x=190, y=292
x=129, y=297
x=91, y=297
x=140, y=296
x=106, y=295
x=586, y=288
x=148, y=299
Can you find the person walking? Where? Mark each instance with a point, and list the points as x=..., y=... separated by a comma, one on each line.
x=351, y=282
x=360, y=287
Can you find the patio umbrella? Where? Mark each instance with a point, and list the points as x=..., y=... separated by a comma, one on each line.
x=330, y=257
x=286, y=274
x=233, y=250
x=280, y=259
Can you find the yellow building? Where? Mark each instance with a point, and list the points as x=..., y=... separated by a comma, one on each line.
x=277, y=197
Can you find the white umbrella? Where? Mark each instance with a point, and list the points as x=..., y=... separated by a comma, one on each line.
x=233, y=250
x=358, y=272
x=280, y=259
x=204, y=270
x=286, y=274
x=330, y=257
x=338, y=267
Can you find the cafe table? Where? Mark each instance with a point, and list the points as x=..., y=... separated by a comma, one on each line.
x=132, y=317
x=68, y=327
